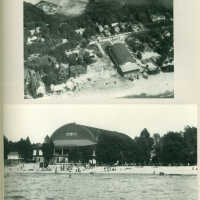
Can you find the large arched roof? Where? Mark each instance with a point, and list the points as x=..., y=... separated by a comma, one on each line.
x=73, y=135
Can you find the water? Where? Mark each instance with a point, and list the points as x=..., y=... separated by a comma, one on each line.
x=99, y=187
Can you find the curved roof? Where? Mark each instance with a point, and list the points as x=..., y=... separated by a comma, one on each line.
x=121, y=53
x=73, y=135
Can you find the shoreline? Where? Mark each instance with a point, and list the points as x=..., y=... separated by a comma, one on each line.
x=132, y=170
x=156, y=86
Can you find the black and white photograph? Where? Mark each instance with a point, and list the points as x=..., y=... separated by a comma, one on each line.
x=82, y=49
x=100, y=152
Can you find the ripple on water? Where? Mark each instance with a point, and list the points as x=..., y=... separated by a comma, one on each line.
x=98, y=187
x=15, y=197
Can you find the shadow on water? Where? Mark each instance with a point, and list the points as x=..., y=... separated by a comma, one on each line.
x=16, y=197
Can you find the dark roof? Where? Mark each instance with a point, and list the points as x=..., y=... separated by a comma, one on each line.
x=13, y=154
x=46, y=60
x=79, y=135
x=37, y=146
x=73, y=135
x=121, y=53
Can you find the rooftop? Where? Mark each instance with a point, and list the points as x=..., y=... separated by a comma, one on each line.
x=121, y=53
x=13, y=154
x=129, y=66
x=73, y=134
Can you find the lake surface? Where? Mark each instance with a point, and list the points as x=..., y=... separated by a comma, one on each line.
x=99, y=187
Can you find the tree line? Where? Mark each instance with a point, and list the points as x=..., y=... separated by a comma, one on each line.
x=173, y=148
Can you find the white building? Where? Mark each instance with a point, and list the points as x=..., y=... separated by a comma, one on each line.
x=13, y=156
x=80, y=31
x=157, y=18
x=38, y=154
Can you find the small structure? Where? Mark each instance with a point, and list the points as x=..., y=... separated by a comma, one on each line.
x=41, y=91
x=80, y=31
x=115, y=24
x=32, y=32
x=92, y=160
x=135, y=27
x=76, y=70
x=72, y=51
x=64, y=41
x=152, y=68
x=158, y=18
x=166, y=34
x=123, y=25
x=107, y=33
x=14, y=158
x=30, y=40
x=38, y=29
x=100, y=28
x=150, y=55
x=38, y=154
x=168, y=65
x=115, y=27
x=58, y=89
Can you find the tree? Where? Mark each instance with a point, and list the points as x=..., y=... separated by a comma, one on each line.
x=173, y=148
x=115, y=147
x=156, y=151
x=144, y=146
x=145, y=133
x=28, y=148
x=190, y=140
x=24, y=148
x=6, y=147
x=48, y=148
x=46, y=139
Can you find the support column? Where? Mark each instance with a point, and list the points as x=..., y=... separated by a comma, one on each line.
x=54, y=156
x=94, y=153
x=94, y=157
x=62, y=151
x=54, y=151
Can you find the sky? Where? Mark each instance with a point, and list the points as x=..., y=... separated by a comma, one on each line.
x=36, y=121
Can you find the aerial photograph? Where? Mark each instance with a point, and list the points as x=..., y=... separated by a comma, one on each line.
x=98, y=48
x=64, y=155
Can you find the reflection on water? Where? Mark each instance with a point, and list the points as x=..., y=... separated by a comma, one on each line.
x=99, y=187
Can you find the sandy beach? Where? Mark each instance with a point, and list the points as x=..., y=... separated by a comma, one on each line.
x=148, y=170
x=158, y=85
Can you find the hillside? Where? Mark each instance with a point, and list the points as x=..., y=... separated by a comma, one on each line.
x=33, y=14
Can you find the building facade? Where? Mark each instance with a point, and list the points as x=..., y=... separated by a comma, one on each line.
x=74, y=143
x=14, y=158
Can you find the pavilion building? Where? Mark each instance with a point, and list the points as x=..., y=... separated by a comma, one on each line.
x=74, y=143
x=122, y=59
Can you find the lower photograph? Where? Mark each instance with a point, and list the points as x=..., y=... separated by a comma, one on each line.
x=95, y=152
